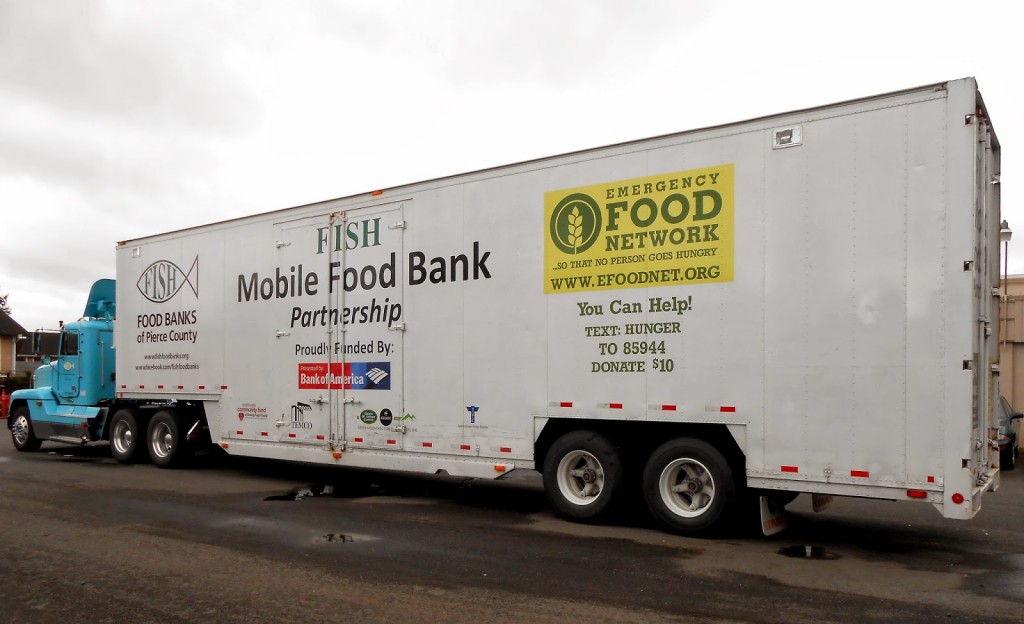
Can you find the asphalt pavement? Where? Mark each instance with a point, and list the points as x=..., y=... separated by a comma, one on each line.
x=234, y=540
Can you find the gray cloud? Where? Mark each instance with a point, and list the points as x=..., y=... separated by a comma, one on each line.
x=82, y=57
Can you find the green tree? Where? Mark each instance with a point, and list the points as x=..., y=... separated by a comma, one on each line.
x=3, y=304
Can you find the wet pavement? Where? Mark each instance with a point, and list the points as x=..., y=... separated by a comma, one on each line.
x=232, y=540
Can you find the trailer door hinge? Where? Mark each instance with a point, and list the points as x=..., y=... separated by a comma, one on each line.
x=280, y=244
x=397, y=226
x=350, y=401
x=397, y=327
x=281, y=333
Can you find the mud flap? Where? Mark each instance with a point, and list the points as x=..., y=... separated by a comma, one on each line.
x=821, y=502
x=773, y=516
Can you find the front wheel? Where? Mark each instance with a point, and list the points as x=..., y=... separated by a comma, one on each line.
x=688, y=485
x=165, y=439
x=583, y=476
x=21, y=431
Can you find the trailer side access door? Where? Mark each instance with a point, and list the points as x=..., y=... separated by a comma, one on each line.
x=306, y=342
x=367, y=277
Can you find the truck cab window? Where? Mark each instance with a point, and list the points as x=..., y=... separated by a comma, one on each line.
x=69, y=343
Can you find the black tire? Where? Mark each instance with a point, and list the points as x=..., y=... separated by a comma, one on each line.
x=22, y=435
x=127, y=440
x=689, y=486
x=165, y=439
x=1008, y=458
x=583, y=476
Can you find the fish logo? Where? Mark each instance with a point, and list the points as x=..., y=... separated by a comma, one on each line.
x=163, y=279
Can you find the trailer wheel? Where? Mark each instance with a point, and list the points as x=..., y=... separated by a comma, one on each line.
x=688, y=485
x=21, y=431
x=126, y=438
x=165, y=439
x=583, y=476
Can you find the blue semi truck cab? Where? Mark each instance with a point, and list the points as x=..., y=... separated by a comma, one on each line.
x=70, y=396
x=73, y=398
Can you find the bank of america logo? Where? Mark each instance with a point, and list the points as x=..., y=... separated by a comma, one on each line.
x=376, y=375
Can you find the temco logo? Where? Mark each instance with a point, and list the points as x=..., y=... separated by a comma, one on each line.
x=163, y=279
x=575, y=223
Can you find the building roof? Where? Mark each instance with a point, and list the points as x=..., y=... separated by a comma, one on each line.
x=9, y=326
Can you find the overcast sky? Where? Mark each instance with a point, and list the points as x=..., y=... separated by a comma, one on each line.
x=121, y=118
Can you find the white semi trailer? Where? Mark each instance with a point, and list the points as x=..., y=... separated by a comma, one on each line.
x=799, y=303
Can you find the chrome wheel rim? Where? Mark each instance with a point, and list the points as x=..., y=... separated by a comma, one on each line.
x=161, y=440
x=20, y=430
x=687, y=487
x=122, y=437
x=580, y=477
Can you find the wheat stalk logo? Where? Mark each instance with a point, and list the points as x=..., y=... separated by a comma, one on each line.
x=575, y=228
x=575, y=223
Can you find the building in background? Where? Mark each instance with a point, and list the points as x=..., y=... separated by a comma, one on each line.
x=1011, y=343
x=10, y=333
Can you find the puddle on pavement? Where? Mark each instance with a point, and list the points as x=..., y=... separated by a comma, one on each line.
x=300, y=493
x=808, y=552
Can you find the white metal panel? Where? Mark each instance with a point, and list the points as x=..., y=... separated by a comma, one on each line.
x=834, y=350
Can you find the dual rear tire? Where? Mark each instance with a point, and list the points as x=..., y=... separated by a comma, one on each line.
x=687, y=484
x=161, y=439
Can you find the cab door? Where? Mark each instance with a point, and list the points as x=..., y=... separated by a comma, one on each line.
x=68, y=369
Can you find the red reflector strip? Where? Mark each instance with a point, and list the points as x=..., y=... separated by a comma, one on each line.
x=202, y=387
x=160, y=387
x=377, y=193
x=668, y=408
x=239, y=433
x=861, y=474
x=465, y=447
x=264, y=434
x=359, y=440
x=565, y=404
x=428, y=445
x=181, y=387
x=506, y=449
x=931, y=479
x=223, y=387
x=615, y=406
x=291, y=435
x=790, y=468
x=392, y=442
x=730, y=409
x=917, y=494
x=319, y=437
x=124, y=387
x=142, y=387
